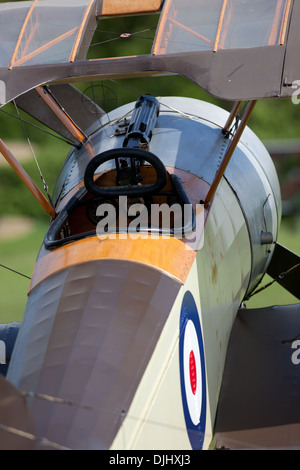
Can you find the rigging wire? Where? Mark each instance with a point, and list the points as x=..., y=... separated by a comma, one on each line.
x=34, y=156
x=139, y=93
x=278, y=278
x=69, y=142
x=235, y=124
x=14, y=271
x=123, y=36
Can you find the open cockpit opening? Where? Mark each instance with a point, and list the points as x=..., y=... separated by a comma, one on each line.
x=126, y=189
x=166, y=212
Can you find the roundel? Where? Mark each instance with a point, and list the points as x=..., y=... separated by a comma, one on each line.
x=192, y=371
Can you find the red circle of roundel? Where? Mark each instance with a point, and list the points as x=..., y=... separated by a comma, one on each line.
x=193, y=372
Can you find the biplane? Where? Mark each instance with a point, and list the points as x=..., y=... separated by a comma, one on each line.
x=135, y=333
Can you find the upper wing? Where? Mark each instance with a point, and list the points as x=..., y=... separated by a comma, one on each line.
x=45, y=31
x=239, y=49
x=234, y=49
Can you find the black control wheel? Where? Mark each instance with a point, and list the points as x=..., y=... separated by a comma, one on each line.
x=128, y=190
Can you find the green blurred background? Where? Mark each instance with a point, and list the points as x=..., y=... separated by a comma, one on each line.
x=23, y=223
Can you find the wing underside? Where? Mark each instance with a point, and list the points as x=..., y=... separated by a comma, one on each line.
x=259, y=400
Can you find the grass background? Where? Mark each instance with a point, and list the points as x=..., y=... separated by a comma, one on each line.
x=272, y=119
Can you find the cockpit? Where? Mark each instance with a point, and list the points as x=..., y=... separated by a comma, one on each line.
x=126, y=190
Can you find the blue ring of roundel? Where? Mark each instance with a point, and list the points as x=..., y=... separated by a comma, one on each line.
x=189, y=311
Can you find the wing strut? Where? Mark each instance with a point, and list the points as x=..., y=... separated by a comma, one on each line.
x=74, y=130
x=231, y=117
x=231, y=147
x=26, y=179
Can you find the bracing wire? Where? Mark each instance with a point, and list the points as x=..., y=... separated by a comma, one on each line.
x=235, y=124
x=278, y=278
x=14, y=271
x=123, y=36
x=69, y=142
x=33, y=153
